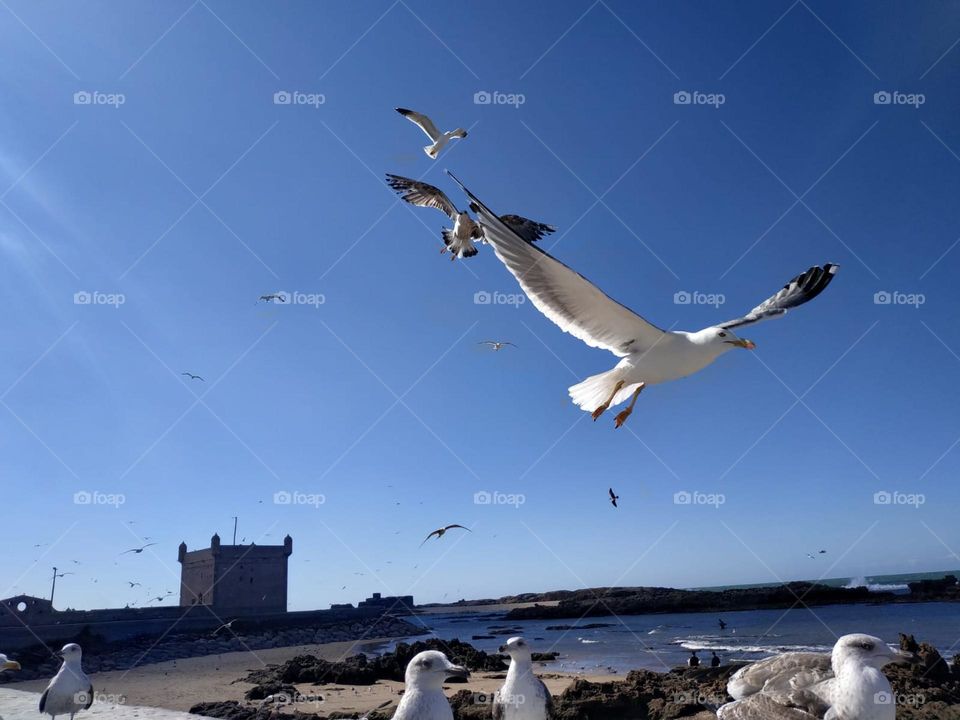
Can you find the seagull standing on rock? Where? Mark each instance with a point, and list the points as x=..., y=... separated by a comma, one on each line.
x=523, y=695
x=847, y=684
x=423, y=697
x=70, y=690
x=648, y=354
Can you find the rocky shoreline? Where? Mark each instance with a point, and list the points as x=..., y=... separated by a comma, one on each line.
x=929, y=690
x=98, y=656
x=602, y=602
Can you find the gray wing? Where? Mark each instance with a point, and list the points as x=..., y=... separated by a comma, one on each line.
x=801, y=289
x=422, y=122
x=543, y=692
x=761, y=707
x=529, y=230
x=497, y=707
x=43, y=699
x=89, y=697
x=572, y=302
x=423, y=194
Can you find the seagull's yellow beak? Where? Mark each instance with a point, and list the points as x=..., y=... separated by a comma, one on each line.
x=10, y=665
x=745, y=344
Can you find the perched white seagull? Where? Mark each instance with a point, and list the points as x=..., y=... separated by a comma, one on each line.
x=423, y=697
x=523, y=695
x=459, y=240
x=649, y=355
x=70, y=690
x=847, y=684
x=6, y=664
x=437, y=139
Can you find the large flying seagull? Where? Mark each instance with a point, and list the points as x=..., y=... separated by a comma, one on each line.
x=649, y=355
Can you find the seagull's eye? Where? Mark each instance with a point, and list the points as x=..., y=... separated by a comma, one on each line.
x=426, y=664
x=723, y=334
x=868, y=646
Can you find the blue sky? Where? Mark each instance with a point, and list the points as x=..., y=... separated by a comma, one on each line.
x=185, y=191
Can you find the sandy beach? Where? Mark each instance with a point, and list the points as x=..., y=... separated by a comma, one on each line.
x=181, y=684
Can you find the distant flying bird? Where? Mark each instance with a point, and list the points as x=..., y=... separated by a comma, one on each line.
x=613, y=497
x=440, y=532
x=273, y=297
x=822, y=552
x=137, y=550
x=192, y=376
x=496, y=345
x=70, y=691
x=225, y=626
x=133, y=584
x=437, y=139
x=459, y=240
x=648, y=354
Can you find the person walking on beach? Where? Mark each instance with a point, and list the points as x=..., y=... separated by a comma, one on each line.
x=693, y=660
x=715, y=661
x=723, y=625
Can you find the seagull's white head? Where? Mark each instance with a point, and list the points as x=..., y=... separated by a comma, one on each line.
x=858, y=651
x=6, y=664
x=517, y=648
x=721, y=340
x=428, y=670
x=71, y=654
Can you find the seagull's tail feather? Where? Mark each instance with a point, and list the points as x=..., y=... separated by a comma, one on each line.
x=458, y=248
x=595, y=390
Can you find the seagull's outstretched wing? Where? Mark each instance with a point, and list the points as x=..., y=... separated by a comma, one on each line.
x=803, y=288
x=422, y=194
x=791, y=686
x=529, y=230
x=422, y=122
x=567, y=298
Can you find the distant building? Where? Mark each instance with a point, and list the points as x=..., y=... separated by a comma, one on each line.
x=394, y=603
x=239, y=578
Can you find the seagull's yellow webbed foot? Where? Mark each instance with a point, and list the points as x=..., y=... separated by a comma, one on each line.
x=600, y=410
x=622, y=416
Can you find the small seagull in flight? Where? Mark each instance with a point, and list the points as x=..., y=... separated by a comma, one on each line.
x=459, y=240
x=496, y=345
x=647, y=354
x=613, y=497
x=137, y=550
x=225, y=626
x=440, y=532
x=437, y=139
x=133, y=584
x=273, y=297
x=192, y=376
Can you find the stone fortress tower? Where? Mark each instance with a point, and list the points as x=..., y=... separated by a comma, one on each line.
x=235, y=578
